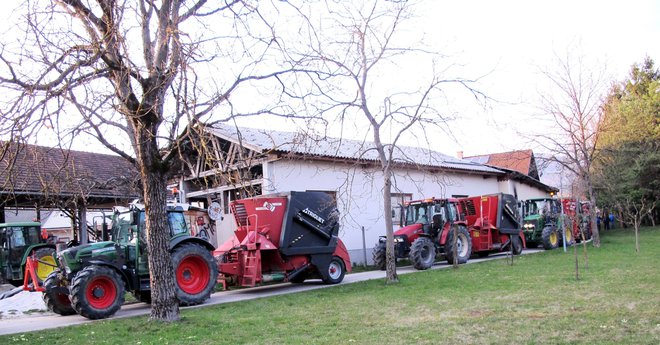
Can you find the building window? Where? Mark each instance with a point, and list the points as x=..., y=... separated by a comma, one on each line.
x=457, y=196
x=398, y=200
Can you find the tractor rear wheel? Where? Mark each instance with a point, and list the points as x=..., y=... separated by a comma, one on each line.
x=550, y=238
x=97, y=292
x=46, y=263
x=516, y=244
x=336, y=271
x=422, y=253
x=568, y=233
x=379, y=256
x=196, y=273
x=463, y=246
x=56, y=296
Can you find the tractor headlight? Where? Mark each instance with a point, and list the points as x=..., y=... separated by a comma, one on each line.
x=398, y=240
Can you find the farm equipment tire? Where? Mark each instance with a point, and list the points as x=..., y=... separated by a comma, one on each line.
x=46, y=263
x=336, y=271
x=196, y=273
x=463, y=246
x=379, y=256
x=422, y=253
x=97, y=292
x=516, y=245
x=550, y=238
x=568, y=232
x=56, y=296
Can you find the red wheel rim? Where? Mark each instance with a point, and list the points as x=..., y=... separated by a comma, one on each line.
x=101, y=292
x=193, y=274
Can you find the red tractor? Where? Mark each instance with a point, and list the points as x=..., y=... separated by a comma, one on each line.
x=427, y=231
x=284, y=237
x=578, y=219
x=493, y=223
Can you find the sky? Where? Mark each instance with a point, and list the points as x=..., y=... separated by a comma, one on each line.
x=505, y=44
x=512, y=41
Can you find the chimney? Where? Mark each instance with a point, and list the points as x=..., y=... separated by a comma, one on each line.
x=459, y=154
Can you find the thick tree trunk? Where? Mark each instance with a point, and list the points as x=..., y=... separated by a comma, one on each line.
x=390, y=262
x=164, y=304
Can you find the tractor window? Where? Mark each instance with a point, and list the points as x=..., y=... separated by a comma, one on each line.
x=417, y=214
x=17, y=237
x=33, y=235
x=121, y=226
x=177, y=223
x=535, y=207
x=453, y=214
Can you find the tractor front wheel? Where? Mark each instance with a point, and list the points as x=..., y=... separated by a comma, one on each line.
x=97, y=292
x=196, y=273
x=46, y=263
x=422, y=253
x=336, y=271
x=550, y=238
x=56, y=296
x=379, y=256
x=516, y=244
x=463, y=246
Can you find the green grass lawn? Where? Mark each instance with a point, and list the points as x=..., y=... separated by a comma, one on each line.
x=535, y=301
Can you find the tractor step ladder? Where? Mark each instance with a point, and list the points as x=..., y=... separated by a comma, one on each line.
x=252, y=263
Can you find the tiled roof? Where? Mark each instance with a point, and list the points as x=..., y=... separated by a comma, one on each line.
x=47, y=171
x=313, y=145
x=519, y=161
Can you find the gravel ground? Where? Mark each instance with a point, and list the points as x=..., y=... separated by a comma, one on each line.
x=23, y=304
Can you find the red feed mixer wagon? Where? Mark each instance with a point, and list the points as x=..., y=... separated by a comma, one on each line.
x=284, y=237
x=493, y=223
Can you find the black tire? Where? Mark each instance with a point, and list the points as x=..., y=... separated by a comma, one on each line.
x=463, y=244
x=46, y=264
x=56, y=296
x=550, y=238
x=196, y=273
x=335, y=270
x=422, y=253
x=516, y=244
x=97, y=292
x=380, y=259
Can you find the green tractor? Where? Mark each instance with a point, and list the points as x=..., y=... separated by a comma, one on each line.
x=542, y=221
x=17, y=242
x=92, y=279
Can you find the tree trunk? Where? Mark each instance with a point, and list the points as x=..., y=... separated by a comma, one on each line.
x=164, y=304
x=595, y=235
x=637, y=224
x=390, y=261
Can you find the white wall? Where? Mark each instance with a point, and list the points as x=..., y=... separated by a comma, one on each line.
x=522, y=191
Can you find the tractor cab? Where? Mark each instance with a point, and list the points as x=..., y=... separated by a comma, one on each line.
x=17, y=242
x=432, y=214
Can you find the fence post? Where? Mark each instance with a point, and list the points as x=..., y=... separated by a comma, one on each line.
x=364, y=247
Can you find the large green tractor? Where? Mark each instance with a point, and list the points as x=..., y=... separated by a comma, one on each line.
x=17, y=242
x=91, y=279
x=542, y=223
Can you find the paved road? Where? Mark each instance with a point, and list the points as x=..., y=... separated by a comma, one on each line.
x=41, y=322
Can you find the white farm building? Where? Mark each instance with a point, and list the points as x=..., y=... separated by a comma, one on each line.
x=248, y=161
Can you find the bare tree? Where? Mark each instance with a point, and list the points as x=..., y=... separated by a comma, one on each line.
x=574, y=106
x=353, y=54
x=139, y=77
